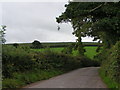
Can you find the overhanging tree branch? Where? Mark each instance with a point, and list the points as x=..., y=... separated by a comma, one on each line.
x=97, y=7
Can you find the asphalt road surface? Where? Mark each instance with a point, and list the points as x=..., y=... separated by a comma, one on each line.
x=80, y=78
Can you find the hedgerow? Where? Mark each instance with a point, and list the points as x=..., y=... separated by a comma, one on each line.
x=16, y=60
x=111, y=63
x=25, y=66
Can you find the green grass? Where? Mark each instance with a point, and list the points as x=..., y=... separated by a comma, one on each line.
x=110, y=83
x=90, y=51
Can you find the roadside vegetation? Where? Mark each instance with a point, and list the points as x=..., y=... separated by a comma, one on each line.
x=24, y=65
x=110, y=67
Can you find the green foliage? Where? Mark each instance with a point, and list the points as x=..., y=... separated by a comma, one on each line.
x=22, y=79
x=108, y=81
x=16, y=45
x=90, y=51
x=11, y=83
x=111, y=65
x=100, y=20
x=2, y=34
x=15, y=59
x=68, y=50
x=49, y=60
x=24, y=66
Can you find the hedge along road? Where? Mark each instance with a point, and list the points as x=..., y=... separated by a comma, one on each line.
x=80, y=78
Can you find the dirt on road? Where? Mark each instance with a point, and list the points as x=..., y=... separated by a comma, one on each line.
x=80, y=78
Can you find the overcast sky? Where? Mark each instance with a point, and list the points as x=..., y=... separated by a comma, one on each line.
x=27, y=22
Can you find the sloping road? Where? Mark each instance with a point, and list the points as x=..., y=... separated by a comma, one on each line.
x=80, y=78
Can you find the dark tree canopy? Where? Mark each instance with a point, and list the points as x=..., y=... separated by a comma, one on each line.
x=16, y=45
x=36, y=44
x=100, y=20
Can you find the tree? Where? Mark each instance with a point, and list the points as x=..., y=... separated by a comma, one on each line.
x=100, y=20
x=16, y=45
x=36, y=44
x=2, y=34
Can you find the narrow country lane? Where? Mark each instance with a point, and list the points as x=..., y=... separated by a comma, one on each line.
x=80, y=78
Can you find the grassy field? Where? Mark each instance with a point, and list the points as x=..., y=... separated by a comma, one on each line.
x=90, y=50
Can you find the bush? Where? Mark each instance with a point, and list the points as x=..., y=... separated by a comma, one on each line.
x=108, y=81
x=15, y=59
x=50, y=60
x=16, y=45
x=111, y=65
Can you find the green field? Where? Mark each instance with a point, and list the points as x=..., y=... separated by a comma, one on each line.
x=90, y=50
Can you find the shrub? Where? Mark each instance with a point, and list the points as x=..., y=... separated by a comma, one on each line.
x=49, y=60
x=111, y=65
x=16, y=45
x=15, y=59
